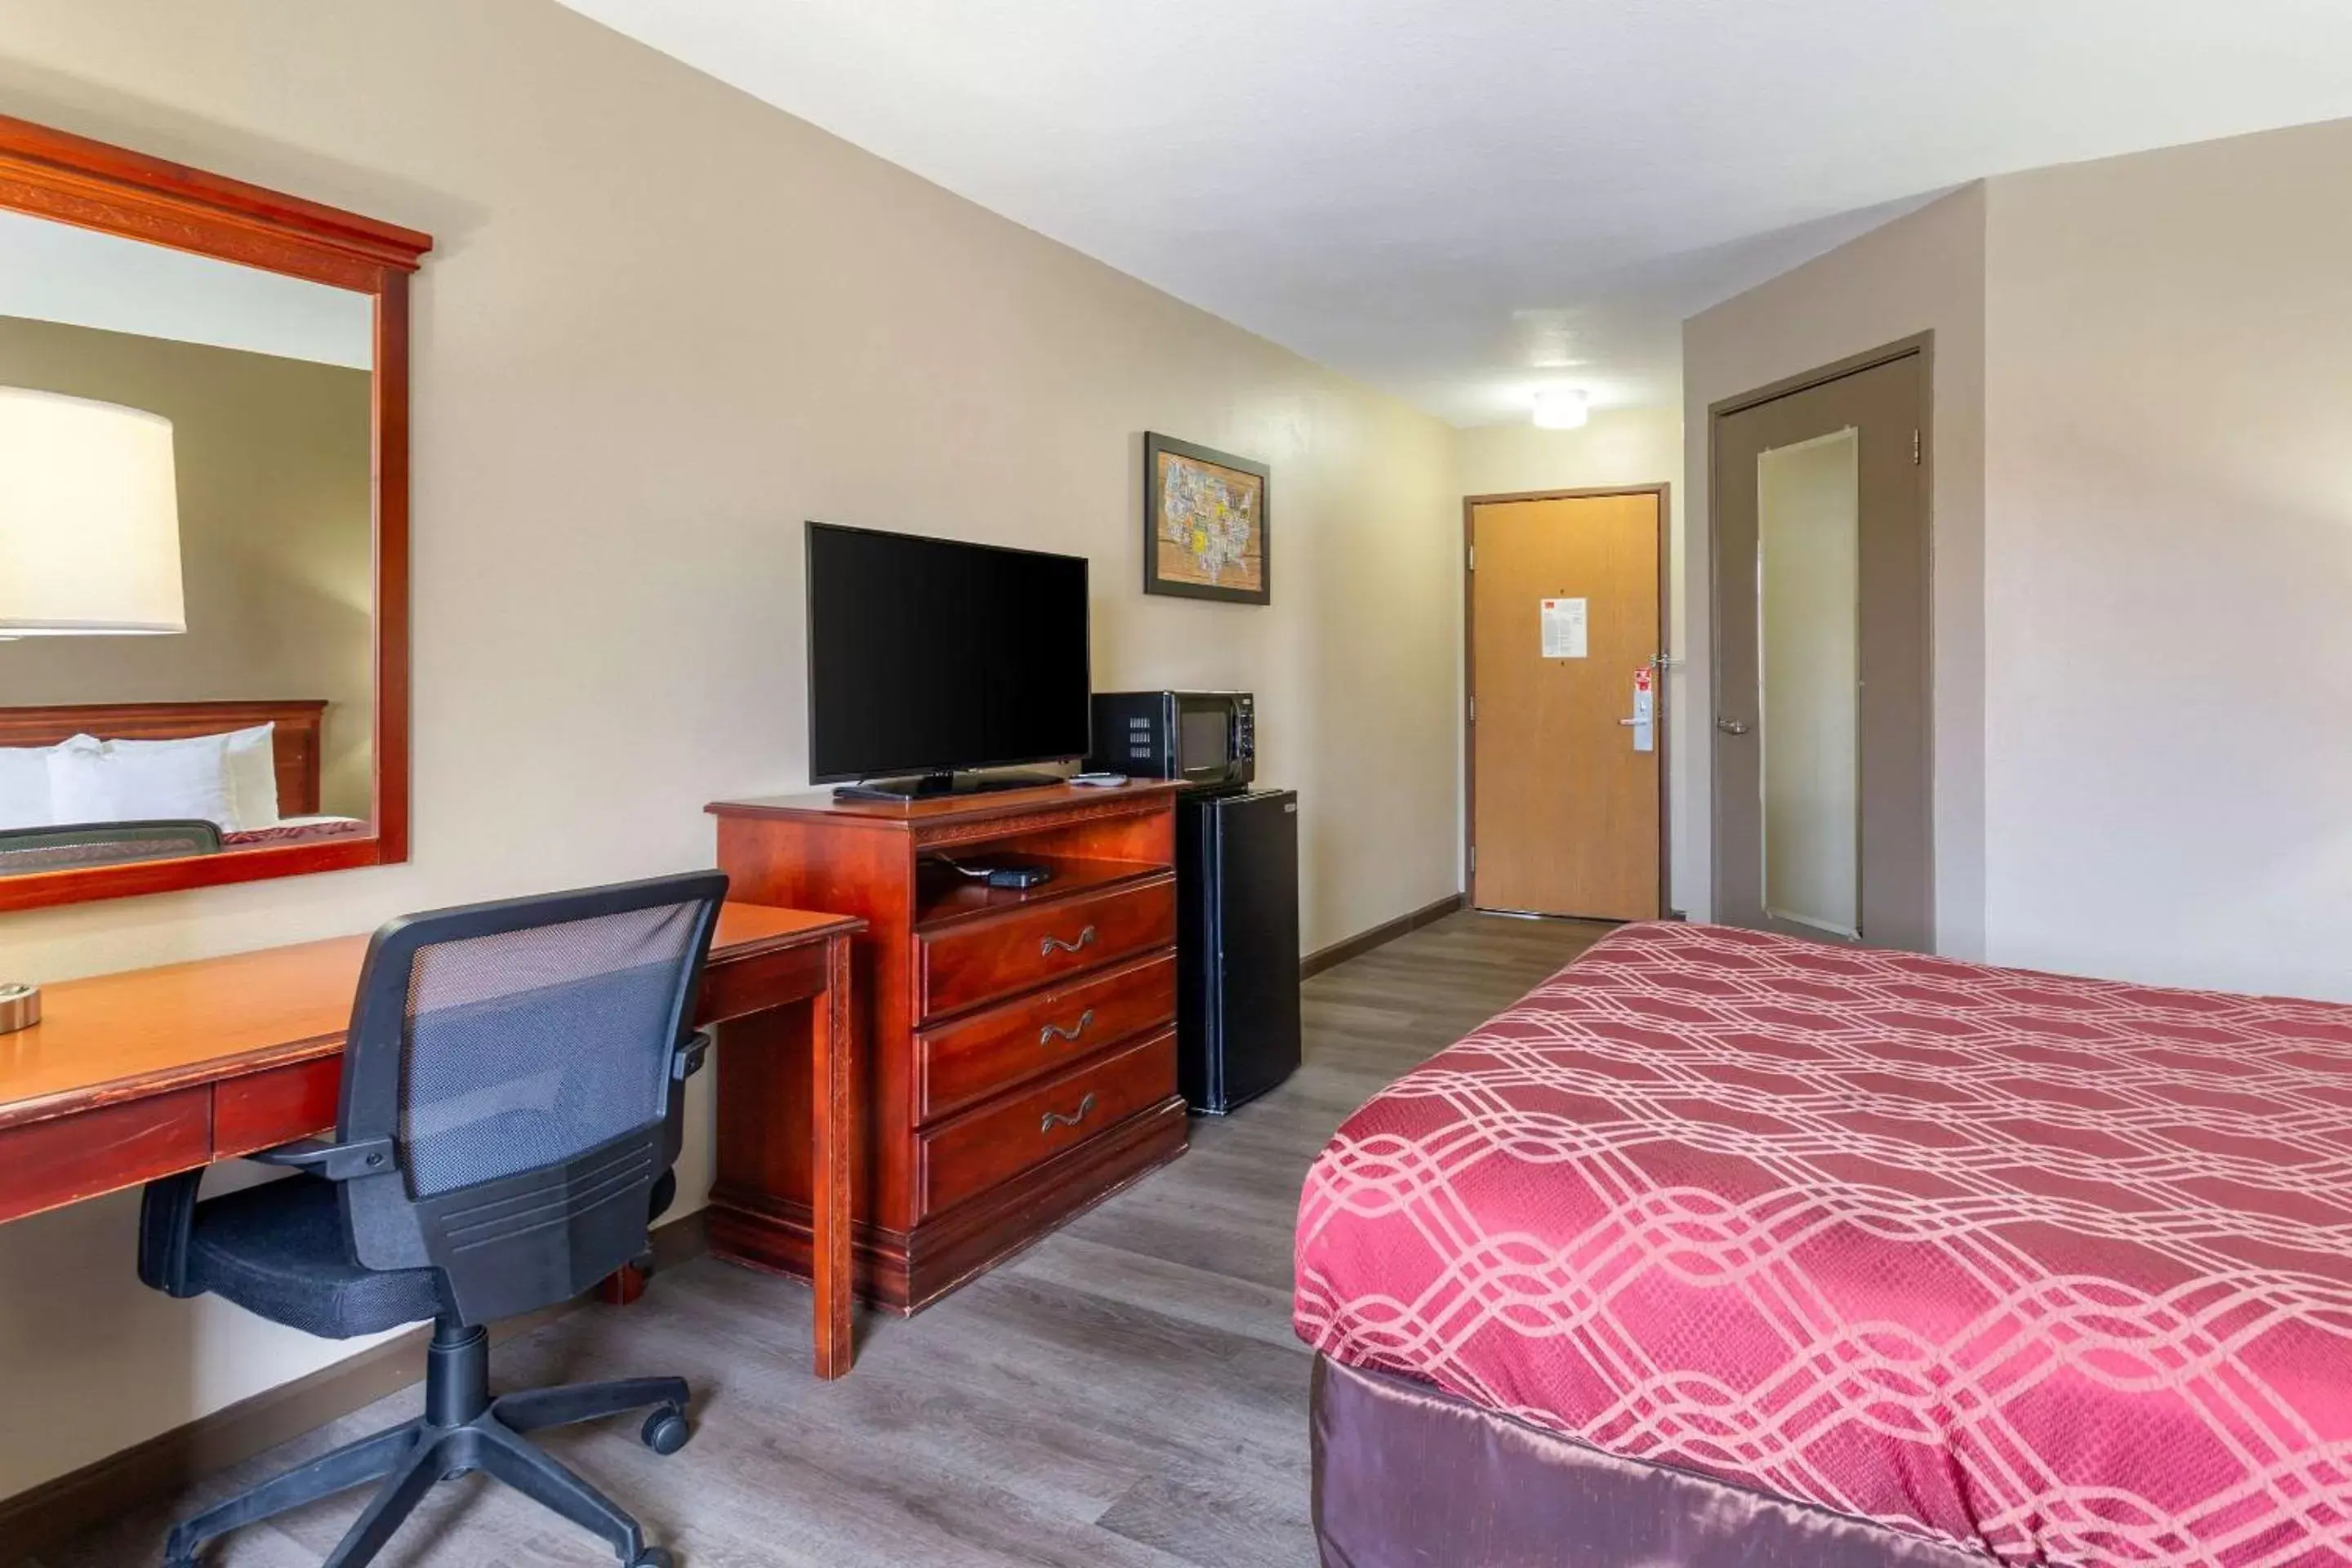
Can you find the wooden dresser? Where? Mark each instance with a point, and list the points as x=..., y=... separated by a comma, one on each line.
x=1016, y=1048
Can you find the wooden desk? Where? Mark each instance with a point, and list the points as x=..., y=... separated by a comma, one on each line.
x=134, y=1076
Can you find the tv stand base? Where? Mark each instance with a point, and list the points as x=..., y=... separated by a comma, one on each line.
x=931, y=786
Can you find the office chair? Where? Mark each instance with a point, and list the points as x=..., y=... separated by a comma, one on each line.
x=26, y=849
x=510, y=1112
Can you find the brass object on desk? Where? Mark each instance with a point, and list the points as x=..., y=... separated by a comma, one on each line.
x=20, y=1007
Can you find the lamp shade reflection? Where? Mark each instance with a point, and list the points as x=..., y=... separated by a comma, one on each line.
x=89, y=518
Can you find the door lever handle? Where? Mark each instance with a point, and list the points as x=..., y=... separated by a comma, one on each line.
x=1730, y=726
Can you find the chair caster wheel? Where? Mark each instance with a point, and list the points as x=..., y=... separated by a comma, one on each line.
x=665, y=1432
x=655, y=1557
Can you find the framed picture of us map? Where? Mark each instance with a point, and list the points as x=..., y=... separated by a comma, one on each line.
x=1204, y=523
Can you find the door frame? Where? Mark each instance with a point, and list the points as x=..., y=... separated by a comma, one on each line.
x=1922, y=346
x=1660, y=704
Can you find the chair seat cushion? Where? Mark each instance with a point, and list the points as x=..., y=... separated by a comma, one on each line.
x=279, y=1250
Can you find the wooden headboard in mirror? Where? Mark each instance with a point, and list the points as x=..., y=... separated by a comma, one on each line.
x=294, y=733
x=256, y=343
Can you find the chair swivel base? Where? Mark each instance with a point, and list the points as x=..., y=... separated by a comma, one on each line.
x=463, y=1430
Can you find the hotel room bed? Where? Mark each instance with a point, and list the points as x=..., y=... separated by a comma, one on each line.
x=275, y=773
x=1723, y=1247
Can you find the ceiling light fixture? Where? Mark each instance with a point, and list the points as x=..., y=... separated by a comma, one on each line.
x=1560, y=408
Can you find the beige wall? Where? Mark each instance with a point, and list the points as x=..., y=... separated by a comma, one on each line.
x=1616, y=447
x=666, y=324
x=2143, y=548
x=1923, y=272
x=272, y=460
x=2168, y=553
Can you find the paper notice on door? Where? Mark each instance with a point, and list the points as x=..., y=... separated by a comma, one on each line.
x=1563, y=628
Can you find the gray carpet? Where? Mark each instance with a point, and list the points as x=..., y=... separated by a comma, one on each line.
x=1124, y=1394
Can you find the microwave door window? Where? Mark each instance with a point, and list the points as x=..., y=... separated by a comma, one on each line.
x=1201, y=742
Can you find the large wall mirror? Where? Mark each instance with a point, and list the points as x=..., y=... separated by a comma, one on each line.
x=204, y=528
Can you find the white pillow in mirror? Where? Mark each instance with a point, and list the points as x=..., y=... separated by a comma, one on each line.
x=252, y=771
x=24, y=787
x=90, y=782
x=253, y=776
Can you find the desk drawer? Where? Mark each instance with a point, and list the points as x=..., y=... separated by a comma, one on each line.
x=960, y=1063
x=48, y=1164
x=279, y=1106
x=964, y=965
x=967, y=1156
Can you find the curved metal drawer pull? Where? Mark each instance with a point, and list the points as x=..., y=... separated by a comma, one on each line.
x=1054, y=1119
x=1045, y=949
x=1052, y=1031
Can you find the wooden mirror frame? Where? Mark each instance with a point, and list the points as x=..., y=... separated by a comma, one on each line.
x=71, y=179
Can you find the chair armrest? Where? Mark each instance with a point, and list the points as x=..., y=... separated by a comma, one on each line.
x=687, y=1060
x=167, y=1221
x=335, y=1162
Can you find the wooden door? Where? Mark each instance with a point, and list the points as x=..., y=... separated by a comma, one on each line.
x=1566, y=815
x=1823, y=822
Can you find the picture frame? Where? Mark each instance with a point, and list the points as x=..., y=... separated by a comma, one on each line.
x=1206, y=523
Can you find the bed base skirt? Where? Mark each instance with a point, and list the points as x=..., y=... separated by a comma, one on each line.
x=1407, y=1476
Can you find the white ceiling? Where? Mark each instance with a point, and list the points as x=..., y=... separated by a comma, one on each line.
x=1462, y=200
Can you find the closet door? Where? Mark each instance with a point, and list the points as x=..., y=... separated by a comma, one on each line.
x=1821, y=762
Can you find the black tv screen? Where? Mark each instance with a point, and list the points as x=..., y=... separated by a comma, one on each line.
x=928, y=655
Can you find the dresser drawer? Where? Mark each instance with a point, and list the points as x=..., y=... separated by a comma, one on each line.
x=1004, y=955
x=967, y=1156
x=960, y=1063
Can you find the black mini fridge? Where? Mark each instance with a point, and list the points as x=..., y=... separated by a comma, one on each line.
x=1236, y=945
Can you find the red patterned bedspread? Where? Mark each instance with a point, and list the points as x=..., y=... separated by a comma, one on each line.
x=297, y=832
x=2057, y=1267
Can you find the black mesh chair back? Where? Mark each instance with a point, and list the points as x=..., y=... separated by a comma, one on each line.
x=76, y=844
x=514, y=1069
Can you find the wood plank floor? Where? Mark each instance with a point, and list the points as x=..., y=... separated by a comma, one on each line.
x=1124, y=1394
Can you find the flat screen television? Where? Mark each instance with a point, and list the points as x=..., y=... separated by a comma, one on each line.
x=928, y=656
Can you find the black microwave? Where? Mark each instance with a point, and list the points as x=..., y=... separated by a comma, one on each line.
x=1200, y=737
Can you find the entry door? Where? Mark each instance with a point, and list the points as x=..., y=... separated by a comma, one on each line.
x=1822, y=736
x=1565, y=639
